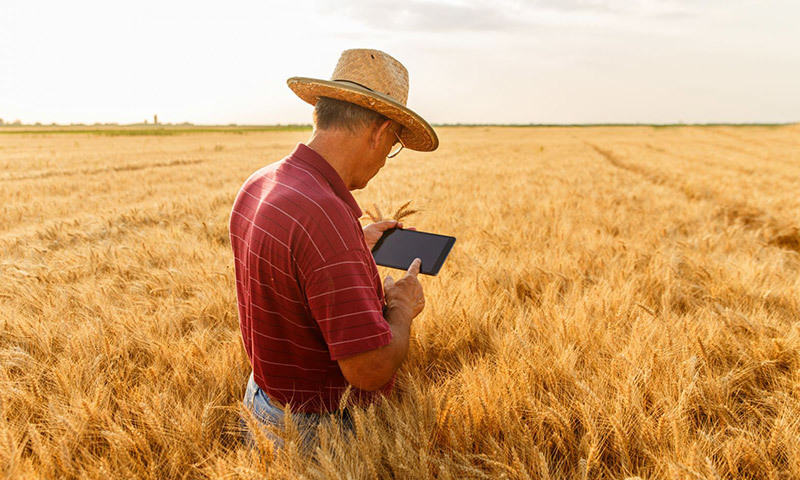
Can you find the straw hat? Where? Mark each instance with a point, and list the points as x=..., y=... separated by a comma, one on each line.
x=376, y=81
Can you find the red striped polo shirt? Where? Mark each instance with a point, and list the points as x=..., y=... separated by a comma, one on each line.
x=308, y=290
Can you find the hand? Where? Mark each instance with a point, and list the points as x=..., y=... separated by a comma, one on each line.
x=373, y=231
x=405, y=294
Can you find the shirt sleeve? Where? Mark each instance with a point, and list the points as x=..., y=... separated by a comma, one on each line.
x=343, y=298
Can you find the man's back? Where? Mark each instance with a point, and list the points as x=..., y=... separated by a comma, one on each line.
x=308, y=290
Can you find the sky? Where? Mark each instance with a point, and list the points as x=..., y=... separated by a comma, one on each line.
x=498, y=61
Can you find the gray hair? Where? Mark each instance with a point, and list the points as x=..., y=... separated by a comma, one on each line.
x=330, y=113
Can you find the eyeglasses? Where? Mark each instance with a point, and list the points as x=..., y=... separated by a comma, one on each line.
x=395, y=148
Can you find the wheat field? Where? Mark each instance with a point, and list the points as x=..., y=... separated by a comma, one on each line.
x=621, y=302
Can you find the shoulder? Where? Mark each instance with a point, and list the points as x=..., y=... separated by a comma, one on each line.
x=328, y=224
x=319, y=224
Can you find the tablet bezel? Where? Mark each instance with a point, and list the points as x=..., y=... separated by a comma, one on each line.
x=439, y=261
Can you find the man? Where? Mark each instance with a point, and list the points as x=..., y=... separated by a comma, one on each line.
x=314, y=316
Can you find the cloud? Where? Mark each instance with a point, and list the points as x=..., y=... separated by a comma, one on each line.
x=445, y=16
x=432, y=16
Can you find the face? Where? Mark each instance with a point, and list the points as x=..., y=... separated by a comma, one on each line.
x=376, y=157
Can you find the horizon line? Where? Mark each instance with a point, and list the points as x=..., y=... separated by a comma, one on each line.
x=277, y=126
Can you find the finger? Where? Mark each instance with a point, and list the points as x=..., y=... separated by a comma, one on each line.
x=412, y=228
x=414, y=268
x=381, y=226
x=400, y=225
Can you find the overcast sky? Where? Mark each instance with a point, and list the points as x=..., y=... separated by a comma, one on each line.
x=499, y=61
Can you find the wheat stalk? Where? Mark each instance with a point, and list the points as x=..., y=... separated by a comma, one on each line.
x=402, y=212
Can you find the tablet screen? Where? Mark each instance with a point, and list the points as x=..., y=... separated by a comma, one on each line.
x=397, y=248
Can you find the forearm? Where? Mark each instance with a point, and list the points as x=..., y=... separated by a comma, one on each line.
x=373, y=369
x=400, y=322
x=404, y=300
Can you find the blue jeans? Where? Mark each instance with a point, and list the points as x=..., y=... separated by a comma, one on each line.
x=269, y=414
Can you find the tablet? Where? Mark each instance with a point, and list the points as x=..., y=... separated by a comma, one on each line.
x=397, y=248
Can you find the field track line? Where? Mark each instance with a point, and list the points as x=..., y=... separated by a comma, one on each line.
x=776, y=233
x=701, y=158
x=760, y=143
x=651, y=177
x=95, y=171
x=87, y=222
x=764, y=150
x=763, y=155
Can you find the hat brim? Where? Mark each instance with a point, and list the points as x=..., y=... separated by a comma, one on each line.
x=417, y=134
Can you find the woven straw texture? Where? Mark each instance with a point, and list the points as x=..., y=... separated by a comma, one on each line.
x=374, y=80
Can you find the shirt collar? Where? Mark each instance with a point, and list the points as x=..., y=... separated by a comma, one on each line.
x=307, y=156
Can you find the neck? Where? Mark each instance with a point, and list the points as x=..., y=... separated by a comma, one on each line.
x=341, y=149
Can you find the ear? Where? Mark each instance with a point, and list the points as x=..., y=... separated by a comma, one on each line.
x=378, y=131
